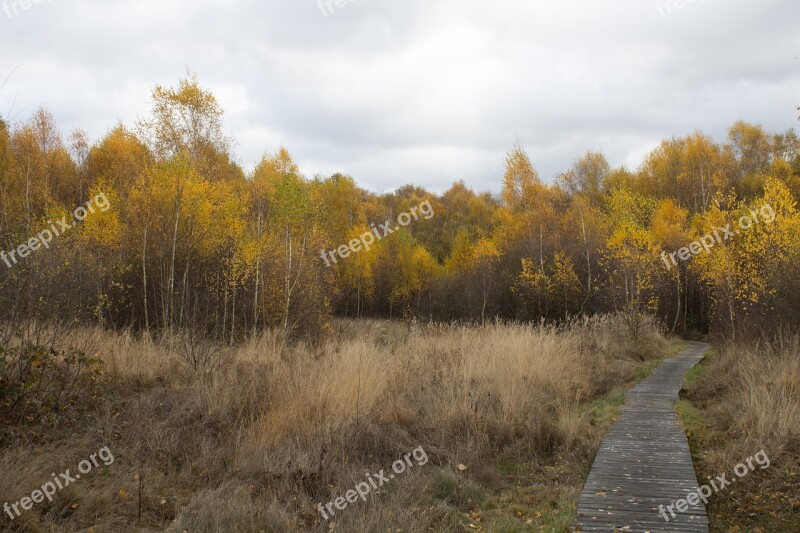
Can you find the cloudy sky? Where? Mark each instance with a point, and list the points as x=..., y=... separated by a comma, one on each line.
x=415, y=91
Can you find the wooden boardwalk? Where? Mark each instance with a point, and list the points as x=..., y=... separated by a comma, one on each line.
x=644, y=460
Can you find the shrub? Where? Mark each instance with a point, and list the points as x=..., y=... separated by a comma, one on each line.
x=40, y=384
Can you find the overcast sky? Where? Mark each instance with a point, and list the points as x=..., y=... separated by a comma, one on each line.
x=415, y=91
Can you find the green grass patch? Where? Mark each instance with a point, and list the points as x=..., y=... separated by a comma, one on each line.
x=694, y=425
x=646, y=369
x=458, y=492
x=603, y=411
x=691, y=377
x=676, y=346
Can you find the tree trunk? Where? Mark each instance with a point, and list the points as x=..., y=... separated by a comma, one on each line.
x=144, y=280
x=171, y=281
x=588, y=260
x=258, y=270
x=678, y=306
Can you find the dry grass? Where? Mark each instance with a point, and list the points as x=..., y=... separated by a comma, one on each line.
x=748, y=395
x=274, y=429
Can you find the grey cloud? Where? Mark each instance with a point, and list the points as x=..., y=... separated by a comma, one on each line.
x=416, y=91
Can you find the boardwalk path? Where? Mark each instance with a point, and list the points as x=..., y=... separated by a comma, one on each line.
x=644, y=460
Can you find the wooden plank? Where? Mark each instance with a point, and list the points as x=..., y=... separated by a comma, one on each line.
x=644, y=460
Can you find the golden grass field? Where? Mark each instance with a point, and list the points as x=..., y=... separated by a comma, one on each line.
x=509, y=415
x=744, y=398
x=271, y=428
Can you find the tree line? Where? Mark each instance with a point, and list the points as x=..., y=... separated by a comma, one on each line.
x=192, y=242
